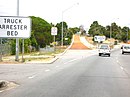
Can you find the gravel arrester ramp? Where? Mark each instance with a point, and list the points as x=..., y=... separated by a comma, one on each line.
x=77, y=44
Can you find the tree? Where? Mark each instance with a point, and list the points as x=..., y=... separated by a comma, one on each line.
x=125, y=34
x=59, y=27
x=42, y=31
x=73, y=30
x=33, y=40
x=107, y=32
x=116, y=31
x=96, y=29
x=81, y=27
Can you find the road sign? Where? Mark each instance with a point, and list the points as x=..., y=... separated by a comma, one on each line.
x=54, y=31
x=99, y=38
x=15, y=27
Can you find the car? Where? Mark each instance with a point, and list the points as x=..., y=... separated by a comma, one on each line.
x=104, y=49
x=125, y=48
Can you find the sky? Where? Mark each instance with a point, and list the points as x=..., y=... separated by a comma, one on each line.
x=75, y=12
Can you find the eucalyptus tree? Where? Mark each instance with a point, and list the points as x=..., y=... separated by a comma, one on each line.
x=59, y=33
x=42, y=31
x=96, y=29
x=125, y=35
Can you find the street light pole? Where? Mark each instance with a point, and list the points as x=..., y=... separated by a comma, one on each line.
x=127, y=34
x=62, y=31
x=62, y=36
x=1, y=51
x=111, y=29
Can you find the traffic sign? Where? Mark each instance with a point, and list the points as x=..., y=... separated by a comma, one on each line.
x=99, y=38
x=15, y=27
x=54, y=31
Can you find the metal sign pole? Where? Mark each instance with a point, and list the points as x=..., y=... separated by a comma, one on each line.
x=22, y=50
x=54, y=43
x=1, y=51
x=54, y=32
x=17, y=39
x=17, y=50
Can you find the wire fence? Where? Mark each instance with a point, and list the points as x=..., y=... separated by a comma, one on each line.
x=5, y=49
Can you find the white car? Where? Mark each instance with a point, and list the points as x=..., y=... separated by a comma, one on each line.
x=125, y=49
x=104, y=49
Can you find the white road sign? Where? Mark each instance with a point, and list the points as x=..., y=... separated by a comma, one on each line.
x=54, y=31
x=99, y=38
x=15, y=27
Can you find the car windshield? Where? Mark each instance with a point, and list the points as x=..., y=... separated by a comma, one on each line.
x=104, y=47
x=127, y=47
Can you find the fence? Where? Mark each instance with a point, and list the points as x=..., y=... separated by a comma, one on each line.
x=5, y=49
x=47, y=49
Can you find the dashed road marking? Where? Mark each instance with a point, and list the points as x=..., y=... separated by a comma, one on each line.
x=1, y=91
x=117, y=61
x=47, y=70
x=57, y=66
x=121, y=67
x=71, y=61
x=30, y=77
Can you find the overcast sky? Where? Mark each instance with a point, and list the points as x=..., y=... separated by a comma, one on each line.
x=79, y=12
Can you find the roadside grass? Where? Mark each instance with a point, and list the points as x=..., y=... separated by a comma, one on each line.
x=44, y=55
x=89, y=39
x=57, y=51
x=33, y=56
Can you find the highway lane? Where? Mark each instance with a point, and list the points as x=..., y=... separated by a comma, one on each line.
x=123, y=60
x=79, y=75
x=20, y=73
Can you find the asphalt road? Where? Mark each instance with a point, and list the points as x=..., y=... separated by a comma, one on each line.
x=75, y=74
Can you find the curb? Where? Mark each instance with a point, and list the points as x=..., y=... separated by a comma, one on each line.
x=43, y=62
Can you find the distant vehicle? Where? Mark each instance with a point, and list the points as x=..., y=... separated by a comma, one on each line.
x=104, y=49
x=125, y=48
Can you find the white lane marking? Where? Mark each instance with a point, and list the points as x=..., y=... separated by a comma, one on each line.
x=120, y=64
x=1, y=91
x=117, y=61
x=47, y=70
x=30, y=77
x=121, y=67
x=71, y=61
x=57, y=66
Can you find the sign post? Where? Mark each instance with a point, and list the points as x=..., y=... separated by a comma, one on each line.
x=54, y=32
x=17, y=39
x=22, y=49
x=1, y=50
x=15, y=27
x=99, y=38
